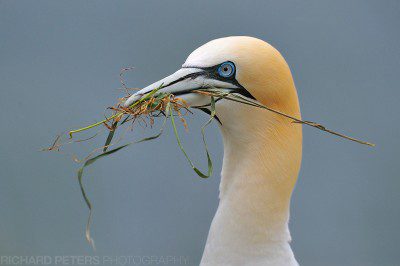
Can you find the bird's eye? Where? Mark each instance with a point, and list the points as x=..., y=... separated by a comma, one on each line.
x=226, y=69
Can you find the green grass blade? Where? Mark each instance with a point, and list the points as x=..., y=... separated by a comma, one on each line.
x=178, y=140
x=125, y=120
x=212, y=116
x=110, y=136
x=94, y=159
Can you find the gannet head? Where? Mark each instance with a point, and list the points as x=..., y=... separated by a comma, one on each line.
x=262, y=150
x=239, y=64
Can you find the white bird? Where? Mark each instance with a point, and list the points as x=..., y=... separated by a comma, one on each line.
x=262, y=150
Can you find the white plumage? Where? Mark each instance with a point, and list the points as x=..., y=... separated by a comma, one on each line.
x=262, y=151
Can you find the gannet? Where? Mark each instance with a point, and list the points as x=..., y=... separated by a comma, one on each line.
x=262, y=150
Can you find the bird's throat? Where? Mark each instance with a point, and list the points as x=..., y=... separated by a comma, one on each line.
x=261, y=162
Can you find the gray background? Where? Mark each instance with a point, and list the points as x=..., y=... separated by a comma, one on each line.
x=59, y=66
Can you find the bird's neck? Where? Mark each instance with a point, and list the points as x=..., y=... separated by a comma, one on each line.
x=261, y=162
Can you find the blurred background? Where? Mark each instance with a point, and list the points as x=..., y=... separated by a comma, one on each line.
x=59, y=69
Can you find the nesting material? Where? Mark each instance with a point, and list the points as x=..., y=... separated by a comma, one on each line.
x=157, y=104
x=146, y=109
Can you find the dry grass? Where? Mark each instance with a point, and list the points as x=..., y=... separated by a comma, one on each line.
x=153, y=105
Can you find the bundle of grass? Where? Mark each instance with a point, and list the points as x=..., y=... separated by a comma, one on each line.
x=158, y=104
x=146, y=109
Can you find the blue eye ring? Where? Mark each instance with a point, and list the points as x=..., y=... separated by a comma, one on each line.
x=226, y=69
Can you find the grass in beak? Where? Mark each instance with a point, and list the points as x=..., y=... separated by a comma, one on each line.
x=149, y=107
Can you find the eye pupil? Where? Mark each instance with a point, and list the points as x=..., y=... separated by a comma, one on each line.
x=226, y=69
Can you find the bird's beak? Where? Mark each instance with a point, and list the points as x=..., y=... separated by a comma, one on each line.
x=182, y=83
